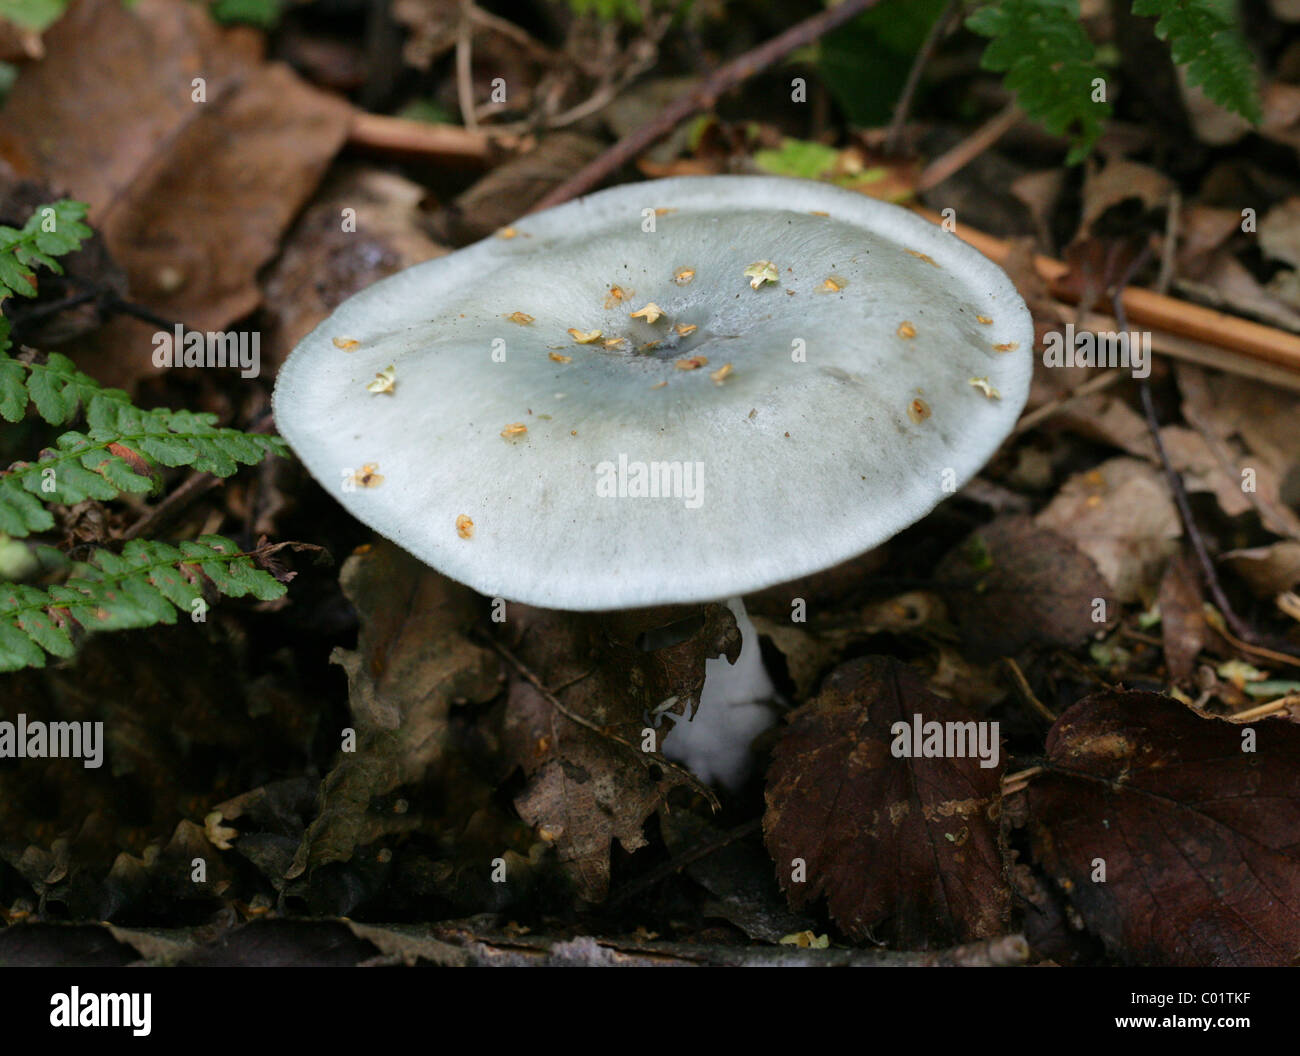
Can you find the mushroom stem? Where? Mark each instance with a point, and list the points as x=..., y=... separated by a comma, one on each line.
x=734, y=708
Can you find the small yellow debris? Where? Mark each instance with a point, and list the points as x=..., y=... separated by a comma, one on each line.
x=1092, y=501
x=464, y=527
x=683, y=329
x=683, y=276
x=616, y=295
x=918, y=410
x=522, y=318
x=559, y=358
x=658, y=385
x=761, y=271
x=218, y=835
x=1010, y=346
x=367, y=476
x=584, y=337
x=649, y=346
x=906, y=329
x=615, y=342
x=925, y=257
x=507, y=232
x=664, y=212
x=983, y=385
x=983, y=319
x=833, y=284
x=346, y=343
x=720, y=375
x=691, y=363
x=817, y=212
x=806, y=940
x=573, y=432
x=384, y=380
x=514, y=429
x=650, y=313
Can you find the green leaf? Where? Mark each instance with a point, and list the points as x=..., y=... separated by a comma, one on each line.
x=798, y=158
x=141, y=587
x=1203, y=36
x=1049, y=63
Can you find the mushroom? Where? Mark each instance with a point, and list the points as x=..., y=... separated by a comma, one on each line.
x=873, y=364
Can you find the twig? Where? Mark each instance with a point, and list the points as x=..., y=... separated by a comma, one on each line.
x=508, y=29
x=904, y=104
x=1053, y=406
x=1013, y=783
x=1265, y=345
x=1027, y=694
x=702, y=95
x=1208, y=574
x=681, y=861
x=969, y=148
x=464, y=69
x=488, y=948
x=1262, y=711
x=423, y=139
x=646, y=759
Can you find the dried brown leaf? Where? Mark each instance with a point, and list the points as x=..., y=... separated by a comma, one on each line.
x=902, y=849
x=1200, y=839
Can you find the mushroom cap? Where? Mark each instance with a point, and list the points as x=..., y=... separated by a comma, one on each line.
x=850, y=408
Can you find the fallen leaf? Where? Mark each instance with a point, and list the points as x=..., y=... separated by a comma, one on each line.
x=191, y=197
x=1014, y=583
x=902, y=849
x=589, y=788
x=1122, y=516
x=321, y=264
x=1199, y=839
x=1182, y=616
x=1268, y=570
x=411, y=662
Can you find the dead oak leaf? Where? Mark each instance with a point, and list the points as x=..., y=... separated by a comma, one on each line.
x=588, y=784
x=1200, y=839
x=902, y=848
x=193, y=165
x=411, y=662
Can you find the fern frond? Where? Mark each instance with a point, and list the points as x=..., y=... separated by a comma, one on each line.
x=51, y=231
x=115, y=453
x=1048, y=60
x=141, y=587
x=1203, y=36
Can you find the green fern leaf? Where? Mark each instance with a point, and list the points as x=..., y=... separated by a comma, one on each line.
x=1203, y=36
x=1048, y=60
x=142, y=586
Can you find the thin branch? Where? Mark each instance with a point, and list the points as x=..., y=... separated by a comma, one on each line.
x=703, y=95
x=968, y=149
x=465, y=70
x=1277, y=351
x=688, y=857
x=937, y=31
x=645, y=758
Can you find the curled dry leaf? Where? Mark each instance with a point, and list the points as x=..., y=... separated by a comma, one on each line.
x=1200, y=839
x=902, y=849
